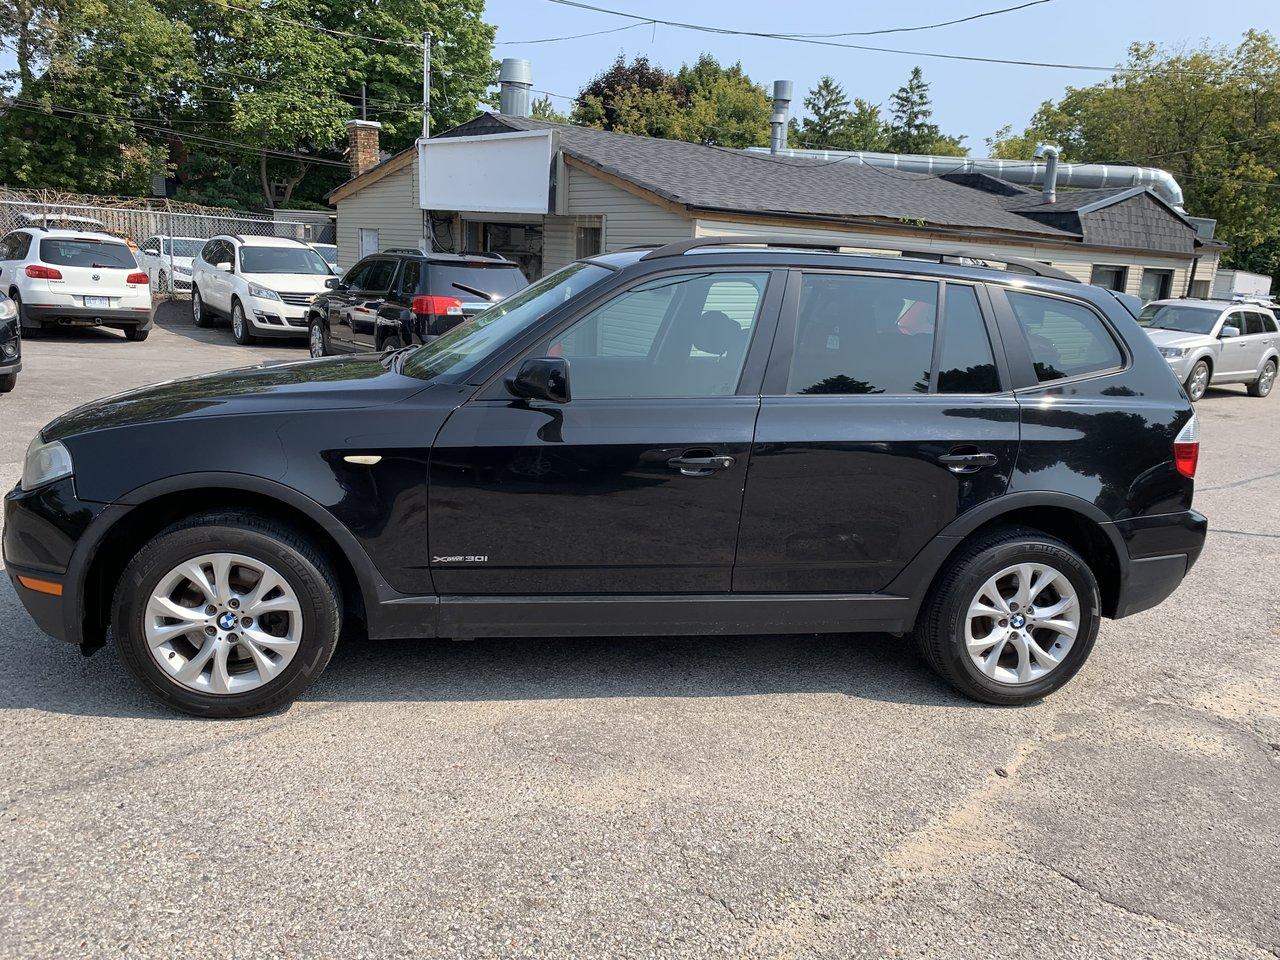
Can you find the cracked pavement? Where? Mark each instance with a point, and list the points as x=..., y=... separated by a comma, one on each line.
x=691, y=797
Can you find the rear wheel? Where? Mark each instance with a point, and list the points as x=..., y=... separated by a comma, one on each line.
x=7, y=382
x=226, y=615
x=1198, y=380
x=239, y=324
x=28, y=328
x=136, y=334
x=199, y=315
x=1011, y=618
x=1266, y=380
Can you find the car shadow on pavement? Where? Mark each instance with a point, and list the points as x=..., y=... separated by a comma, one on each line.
x=174, y=316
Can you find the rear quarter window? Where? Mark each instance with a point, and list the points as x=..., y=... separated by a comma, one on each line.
x=1066, y=339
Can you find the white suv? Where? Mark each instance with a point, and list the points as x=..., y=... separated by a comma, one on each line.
x=169, y=257
x=74, y=278
x=264, y=284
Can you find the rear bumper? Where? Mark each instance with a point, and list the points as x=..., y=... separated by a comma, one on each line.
x=89, y=316
x=1161, y=550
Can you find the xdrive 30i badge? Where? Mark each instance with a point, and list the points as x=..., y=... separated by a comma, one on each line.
x=460, y=559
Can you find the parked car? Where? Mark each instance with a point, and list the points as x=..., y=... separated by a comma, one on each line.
x=704, y=438
x=62, y=221
x=1215, y=341
x=10, y=345
x=73, y=278
x=265, y=285
x=329, y=251
x=404, y=297
x=163, y=257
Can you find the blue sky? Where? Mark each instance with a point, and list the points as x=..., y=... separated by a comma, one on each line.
x=969, y=98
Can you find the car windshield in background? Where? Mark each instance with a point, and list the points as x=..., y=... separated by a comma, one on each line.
x=459, y=350
x=463, y=280
x=1178, y=317
x=73, y=252
x=281, y=260
x=183, y=247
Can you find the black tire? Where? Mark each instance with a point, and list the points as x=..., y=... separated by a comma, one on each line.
x=199, y=311
x=27, y=329
x=1194, y=393
x=241, y=331
x=288, y=552
x=940, y=628
x=7, y=382
x=318, y=338
x=392, y=342
x=1266, y=380
x=136, y=334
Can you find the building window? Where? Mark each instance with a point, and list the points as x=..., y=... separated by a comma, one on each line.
x=368, y=241
x=1200, y=289
x=587, y=243
x=1156, y=285
x=1110, y=277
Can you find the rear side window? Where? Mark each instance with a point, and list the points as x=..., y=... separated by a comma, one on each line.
x=1268, y=323
x=966, y=363
x=73, y=252
x=409, y=277
x=1253, y=323
x=1066, y=339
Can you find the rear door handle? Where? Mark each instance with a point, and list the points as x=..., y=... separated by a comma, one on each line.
x=968, y=462
x=700, y=466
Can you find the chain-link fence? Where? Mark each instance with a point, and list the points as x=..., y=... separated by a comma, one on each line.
x=164, y=240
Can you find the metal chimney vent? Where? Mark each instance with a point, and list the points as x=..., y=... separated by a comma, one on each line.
x=781, y=115
x=514, y=82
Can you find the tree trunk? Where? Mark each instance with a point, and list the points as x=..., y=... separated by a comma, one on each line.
x=267, y=198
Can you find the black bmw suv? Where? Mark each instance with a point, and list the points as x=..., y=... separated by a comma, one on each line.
x=708, y=437
x=399, y=298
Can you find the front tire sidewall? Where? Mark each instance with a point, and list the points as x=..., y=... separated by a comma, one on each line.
x=318, y=339
x=956, y=664
x=1262, y=386
x=198, y=308
x=1191, y=379
x=240, y=324
x=307, y=574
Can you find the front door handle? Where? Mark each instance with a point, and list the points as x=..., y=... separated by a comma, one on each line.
x=700, y=466
x=968, y=462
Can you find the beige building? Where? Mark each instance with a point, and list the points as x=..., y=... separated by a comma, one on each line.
x=607, y=191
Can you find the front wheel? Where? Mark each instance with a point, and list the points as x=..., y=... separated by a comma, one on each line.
x=1198, y=381
x=1266, y=380
x=7, y=382
x=318, y=339
x=199, y=316
x=239, y=324
x=226, y=615
x=1011, y=618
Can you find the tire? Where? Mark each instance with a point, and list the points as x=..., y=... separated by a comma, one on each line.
x=30, y=331
x=136, y=334
x=7, y=382
x=305, y=580
x=1266, y=380
x=945, y=618
x=318, y=339
x=1198, y=380
x=392, y=342
x=240, y=324
x=199, y=312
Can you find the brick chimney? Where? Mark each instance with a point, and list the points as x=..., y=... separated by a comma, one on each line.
x=362, y=145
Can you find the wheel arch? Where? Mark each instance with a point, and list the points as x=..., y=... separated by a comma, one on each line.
x=137, y=517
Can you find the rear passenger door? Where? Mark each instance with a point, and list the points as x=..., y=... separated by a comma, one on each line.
x=1234, y=359
x=885, y=415
x=367, y=302
x=340, y=302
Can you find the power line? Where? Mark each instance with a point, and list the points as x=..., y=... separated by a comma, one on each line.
x=575, y=36
x=311, y=26
x=927, y=26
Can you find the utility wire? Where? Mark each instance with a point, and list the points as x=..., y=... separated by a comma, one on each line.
x=257, y=11
x=575, y=36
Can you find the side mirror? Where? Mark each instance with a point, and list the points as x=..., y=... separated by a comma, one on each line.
x=224, y=266
x=541, y=378
x=1228, y=333
x=333, y=283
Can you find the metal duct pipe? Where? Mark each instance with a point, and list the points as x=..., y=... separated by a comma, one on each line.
x=781, y=115
x=1049, y=154
x=514, y=82
x=1015, y=171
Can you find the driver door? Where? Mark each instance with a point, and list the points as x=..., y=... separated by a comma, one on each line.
x=340, y=302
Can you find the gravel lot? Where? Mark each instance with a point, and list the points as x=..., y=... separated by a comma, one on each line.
x=784, y=796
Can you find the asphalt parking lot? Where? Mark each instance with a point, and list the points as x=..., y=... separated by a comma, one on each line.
x=790, y=796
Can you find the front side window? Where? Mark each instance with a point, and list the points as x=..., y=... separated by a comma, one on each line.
x=863, y=335
x=302, y=260
x=675, y=336
x=380, y=276
x=87, y=253
x=1066, y=339
x=1236, y=322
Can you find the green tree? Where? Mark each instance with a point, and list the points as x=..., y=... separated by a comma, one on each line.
x=633, y=97
x=543, y=109
x=827, y=122
x=911, y=128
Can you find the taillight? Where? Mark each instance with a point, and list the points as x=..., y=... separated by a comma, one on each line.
x=38, y=271
x=437, y=306
x=138, y=277
x=1186, y=448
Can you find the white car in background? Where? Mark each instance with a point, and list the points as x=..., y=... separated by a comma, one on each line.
x=163, y=257
x=265, y=285
x=74, y=278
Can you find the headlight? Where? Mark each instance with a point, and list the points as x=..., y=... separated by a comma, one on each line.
x=1173, y=352
x=8, y=309
x=262, y=293
x=179, y=268
x=45, y=463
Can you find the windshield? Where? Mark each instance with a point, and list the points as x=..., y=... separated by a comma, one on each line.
x=1169, y=316
x=467, y=344
x=326, y=250
x=281, y=260
x=87, y=253
x=474, y=281
x=182, y=247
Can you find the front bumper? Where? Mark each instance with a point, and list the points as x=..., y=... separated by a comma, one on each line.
x=1161, y=551
x=90, y=316
x=276, y=318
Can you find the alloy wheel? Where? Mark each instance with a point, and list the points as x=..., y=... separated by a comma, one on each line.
x=237, y=322
x=317, y=340
x=223, y=623
x=1022, y=623
x=1199, y=381
x=196, y=307
x=1267, y=380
